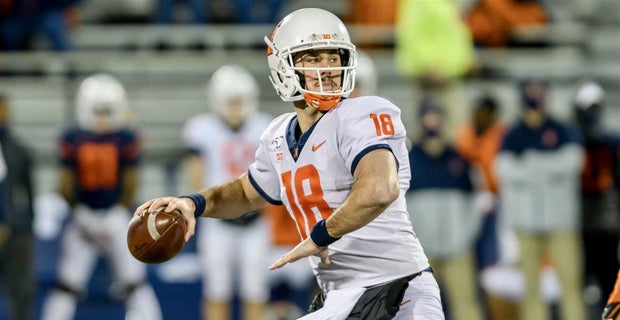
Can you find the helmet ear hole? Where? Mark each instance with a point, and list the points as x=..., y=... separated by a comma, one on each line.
x=300, y=78
x=344, y=57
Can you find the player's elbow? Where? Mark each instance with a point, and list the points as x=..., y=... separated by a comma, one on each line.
x=384, y=195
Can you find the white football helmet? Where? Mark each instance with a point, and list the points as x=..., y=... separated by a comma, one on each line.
x=101, y=96
x=309, y=29
x=588, y=94
x=232, y=82
x=366, y=75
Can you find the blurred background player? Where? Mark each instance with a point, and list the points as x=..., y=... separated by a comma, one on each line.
x=501, y=282
x=222, y=146
x=441, y=205
x=479, y=140
x=600, y=181
x=538, y=168
x=98, y=178
x=16, y=218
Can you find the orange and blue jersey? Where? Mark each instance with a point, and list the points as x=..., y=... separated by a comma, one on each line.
x=98, y=161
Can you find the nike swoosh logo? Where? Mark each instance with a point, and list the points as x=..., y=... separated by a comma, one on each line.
x=316, y=147
x=405, y=302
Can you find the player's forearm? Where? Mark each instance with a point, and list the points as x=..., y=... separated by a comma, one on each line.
x=130, y=185
x=195, y=168
x=229, y=200
x=65, y=186
x=365, y=202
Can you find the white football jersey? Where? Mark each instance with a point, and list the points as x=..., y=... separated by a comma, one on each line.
x=312, y=176
x=226, y=153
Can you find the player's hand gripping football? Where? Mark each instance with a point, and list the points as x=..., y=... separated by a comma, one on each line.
x=304, y=249
x=185, y=205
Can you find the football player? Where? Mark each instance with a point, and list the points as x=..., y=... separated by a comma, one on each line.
x=340, y=167
x=98, y=178
x=600, y=186
x=17, y=240
x=222, y=146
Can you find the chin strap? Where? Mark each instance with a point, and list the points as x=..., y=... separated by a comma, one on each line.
x=322, y=103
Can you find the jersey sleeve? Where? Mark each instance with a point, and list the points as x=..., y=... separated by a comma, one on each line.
x=261, y=172
x=67, y=148
x=130, y=148
x=192, y=130
x=369, y=123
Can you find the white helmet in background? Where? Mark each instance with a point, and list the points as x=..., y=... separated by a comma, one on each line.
x=589, y=94
x=309, y=29
x=366, y=75
x=232, y=82
x=589, y=103
x=101, y=103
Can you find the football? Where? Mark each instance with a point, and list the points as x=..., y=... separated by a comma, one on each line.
x=155, y=237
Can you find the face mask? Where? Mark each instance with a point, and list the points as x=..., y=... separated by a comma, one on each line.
x=532, y=94
x=431, y=132
x=534, y=103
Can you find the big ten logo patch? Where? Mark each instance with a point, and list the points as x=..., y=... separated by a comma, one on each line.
x=323, y=36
